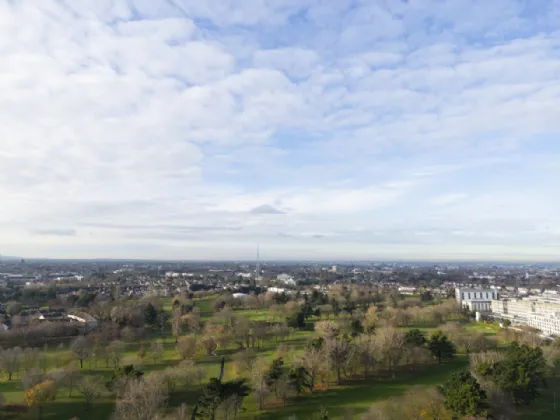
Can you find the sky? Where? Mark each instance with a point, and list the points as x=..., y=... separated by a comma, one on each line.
x=319, y=129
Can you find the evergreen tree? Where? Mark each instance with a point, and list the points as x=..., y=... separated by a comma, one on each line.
x=415, y=338
x=440, y=346
x=464, y=396
x=275, y=372
x=150, y=314
x=520, y=374
x=300, y=379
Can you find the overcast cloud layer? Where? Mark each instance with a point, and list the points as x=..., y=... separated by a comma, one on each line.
x=320, y=129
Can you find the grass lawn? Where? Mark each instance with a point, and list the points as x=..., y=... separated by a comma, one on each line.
x=544, y=407
x=359, y=394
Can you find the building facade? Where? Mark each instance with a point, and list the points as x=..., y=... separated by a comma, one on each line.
x=478, y=300
x=540, y=313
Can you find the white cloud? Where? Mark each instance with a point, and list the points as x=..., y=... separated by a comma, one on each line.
x=295, y=62
x=445, y=199
x=308, y=126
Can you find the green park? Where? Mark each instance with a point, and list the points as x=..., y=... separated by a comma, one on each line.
x=345, y=354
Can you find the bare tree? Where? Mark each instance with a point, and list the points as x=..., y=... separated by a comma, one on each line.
x=284, y=389
x=72, y=377
x=82, y=348
x=291, y=308
x=116, y=351
x=417, y=314
x=193, y=321
x=58, y=376
x=31, y=378
x=10, y=361
x=241, y=332
x=275, y=312
x=60, y=349
x=260, y=333
x=390, y=347
x=470, y=341
x=199, y=374
x=476, y=342
x=258, y=380
x=418, y=355
x=315, y=362
x=327, y=329
x=186, y=347
x=167, y=377
x=530, y=336
x=225, y=316
x=129, y=334
x=90, y=388
x=43, y=359
x=181, y=413
x=244, y=360
x=212, y=332
x=231, y=407
x=339, y=354
x=156, y=350
x=101, y=353
x=177, y=323
x=30, y=358
x=280, y=332
x=415, y=404
x=142, y=399
x=365, y=352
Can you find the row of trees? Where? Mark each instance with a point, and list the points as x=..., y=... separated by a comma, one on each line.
x=137, y=396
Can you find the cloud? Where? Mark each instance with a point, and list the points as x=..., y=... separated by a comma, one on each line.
x=295, y=62
x=266, y=209
x=451, y=198
x=54, y=232
x=382, y=127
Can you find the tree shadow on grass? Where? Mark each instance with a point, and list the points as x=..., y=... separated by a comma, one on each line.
x=74, y=407
x=361, y=394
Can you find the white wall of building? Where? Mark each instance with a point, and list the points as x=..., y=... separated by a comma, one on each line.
x=478, y=300
x=534, y=312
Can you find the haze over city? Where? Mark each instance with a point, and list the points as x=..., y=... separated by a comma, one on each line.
x=319, y=129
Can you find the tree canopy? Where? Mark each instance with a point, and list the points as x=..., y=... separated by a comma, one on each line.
x=440, y=346
x=464, y=396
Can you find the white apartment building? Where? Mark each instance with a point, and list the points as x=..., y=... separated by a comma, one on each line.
x=405, y=290
x=476, y=299
x=286, y=279
x=540, y=313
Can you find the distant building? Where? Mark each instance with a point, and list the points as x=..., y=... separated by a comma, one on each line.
x=286, y=279
x=540, y=313
x=406, y=290
x=476, y=299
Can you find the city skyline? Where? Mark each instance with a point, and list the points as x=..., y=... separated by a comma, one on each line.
x=360, y=130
